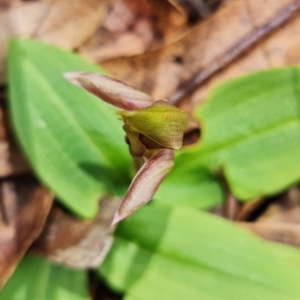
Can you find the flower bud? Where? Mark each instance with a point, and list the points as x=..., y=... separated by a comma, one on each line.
x=110, y=90
x=161, y=122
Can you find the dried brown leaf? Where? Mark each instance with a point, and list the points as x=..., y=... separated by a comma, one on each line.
x=12, y=161
x=68, y=26
x=280, y=221
x=74, y=242
x=196, y=9
x=132, y=27
x=23, y=212
x=161, y=73
x=277, y=232
x=52, y=21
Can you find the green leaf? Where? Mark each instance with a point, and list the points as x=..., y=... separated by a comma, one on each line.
x=181, y=253
x=193, y=187
x=74, y=142
x=250, y=129
x=37, y=279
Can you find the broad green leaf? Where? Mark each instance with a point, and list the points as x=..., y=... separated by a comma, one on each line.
x=37, y=279
x=74, y=142
x=193, y=187
x=250, y=131
x=181, y=253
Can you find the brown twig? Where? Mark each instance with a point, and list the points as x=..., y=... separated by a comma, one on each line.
x=235, y=51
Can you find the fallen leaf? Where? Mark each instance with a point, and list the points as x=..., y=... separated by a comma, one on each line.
x=161, y=73
x=196, y=9
x=132, y=27
x=23, y=212
x=280, y=222
x=12, y=161
x=285, y=233
x=68, y=26
x=51, y=21
x=285, y=208
x=19, y=19
x=76, y=243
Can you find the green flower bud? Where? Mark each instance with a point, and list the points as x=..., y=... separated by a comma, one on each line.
x=160, y=123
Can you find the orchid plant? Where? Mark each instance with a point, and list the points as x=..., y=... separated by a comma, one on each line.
x=162, y=251
x=154, y=129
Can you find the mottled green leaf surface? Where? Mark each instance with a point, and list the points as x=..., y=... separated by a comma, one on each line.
x=181, y=253
x=74, y=142
x=250, y=132
x=37, y=279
